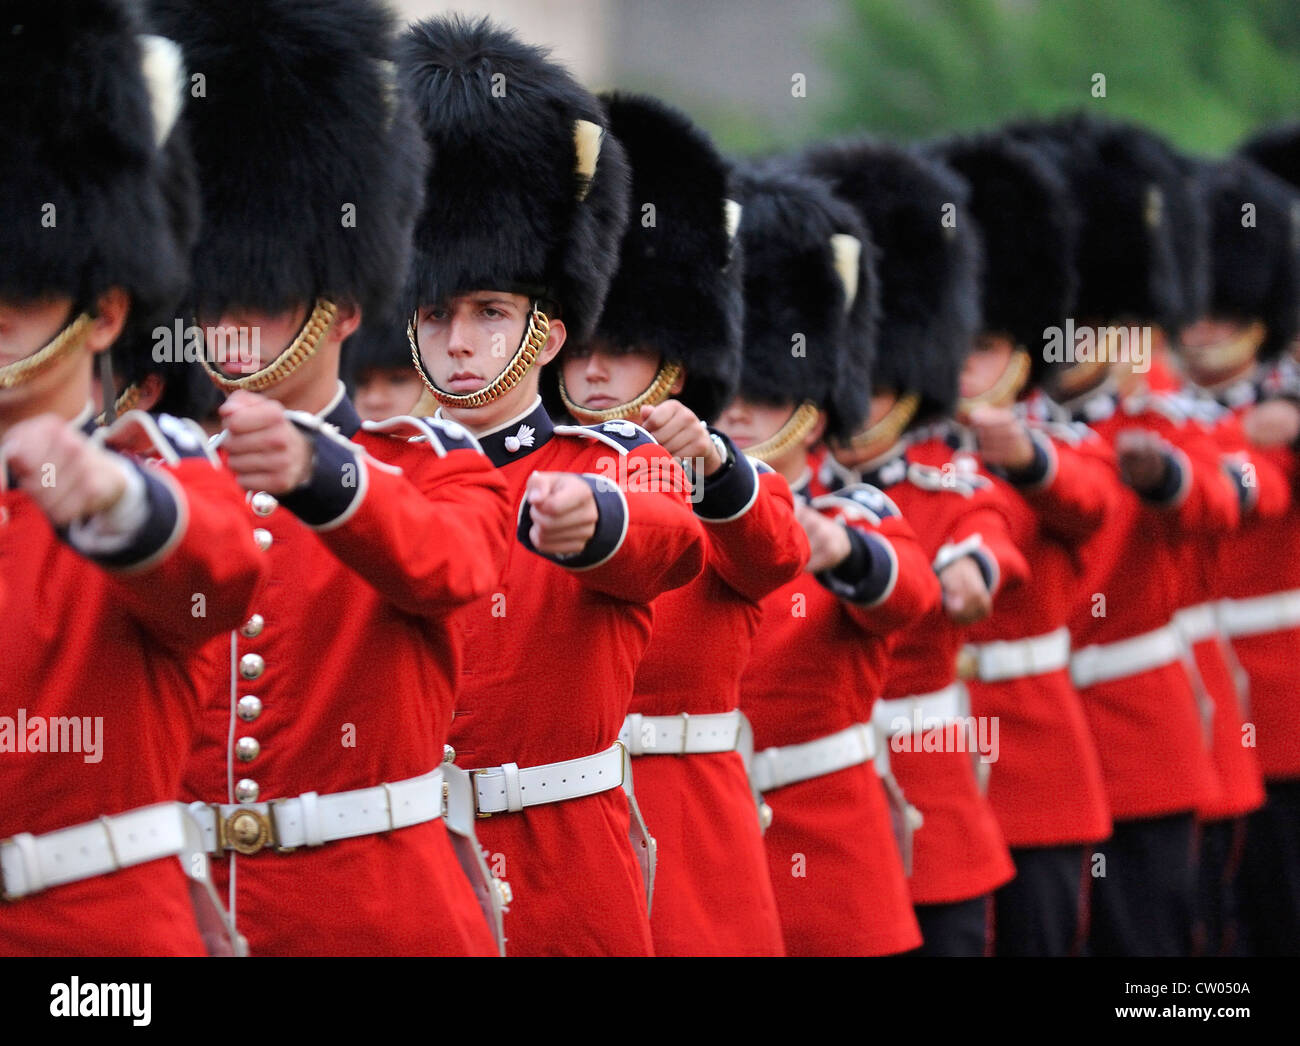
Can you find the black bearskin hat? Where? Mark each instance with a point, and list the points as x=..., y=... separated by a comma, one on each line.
x=94, y=187
x=525, y=193
x=1131, y=192
x=929, y=262
x=1255, y=249
x=678, y=287
x=311, y=163
x=380, y=343
x=1276, y=149
x=810, y=297
x=1030, y=231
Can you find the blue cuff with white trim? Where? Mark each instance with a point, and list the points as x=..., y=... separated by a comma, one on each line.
x=163, y=514
x=611, y=526
x=331, y=491
x=865, y=574
x=730, y=491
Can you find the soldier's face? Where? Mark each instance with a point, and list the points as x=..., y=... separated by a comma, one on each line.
x=385, y=392
x=985, y=365
x=26, y=327
x=749, y=423
x=243, y=341
x=467, y=341
x=599, y=378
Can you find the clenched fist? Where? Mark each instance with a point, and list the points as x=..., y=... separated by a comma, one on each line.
x=1273, y=424
x=69, y=477
x=680, y=433
x=828, y=540
x=264, y=449
x=563, y=510
x=1142, y=458
x=1002, y=437
x=966, y=598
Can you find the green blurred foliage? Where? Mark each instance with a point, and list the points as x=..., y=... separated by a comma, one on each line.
x=1204, y=72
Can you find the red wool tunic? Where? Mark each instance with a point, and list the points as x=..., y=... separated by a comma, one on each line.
x=1147, y=726
x=1046, y=785
x=1262, y=562
x=818, y=664
x=113, y=644
x=960, y=853
x=550, y=656
x=354, y=662
x=1264, y=494
x=712, y=891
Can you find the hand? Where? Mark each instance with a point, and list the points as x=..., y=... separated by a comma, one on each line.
x=564, y=512
x=828, y=540
x=1275, y=423
x=264, y=449
x=680, y=433
x=69, y=477
x=1142, y=458
x=1002, y=437
x=966, y=598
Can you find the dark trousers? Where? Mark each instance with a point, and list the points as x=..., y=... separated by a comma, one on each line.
x=1270, y=875
x=1217, y=916
x=1142, y=896
x=1038, y=912
x=958, y=929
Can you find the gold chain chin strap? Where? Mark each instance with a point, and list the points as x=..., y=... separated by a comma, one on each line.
x=298, y=352
x=1078, y=379
x=1003, y=392
x=1229, y=354
x=886, y=432
x=795, y=429
x=539, y=326
x=68, y=340
x=653, y=396
x=127, y=401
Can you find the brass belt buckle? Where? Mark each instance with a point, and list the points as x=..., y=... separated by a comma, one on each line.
x=479, y=814
x=245, y=830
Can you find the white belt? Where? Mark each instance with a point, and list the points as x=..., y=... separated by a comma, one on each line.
x=1197, y=624
x=31, y=863
x=1103, y=662
x=784, y=765
x=1017, y=658
x=509, y=788
x=314, y=820
x=1259, y=614
x=682, y=734
x=944, y=705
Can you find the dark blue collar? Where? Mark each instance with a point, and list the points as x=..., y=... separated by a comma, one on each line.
x=518, y=437
x=344, y=417
x=341, y=414
x=883, y=472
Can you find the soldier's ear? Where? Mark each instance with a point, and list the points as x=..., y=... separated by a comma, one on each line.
x=346, y=321
x=111, y=310
x=554, y=343
x=679, y=384
x=816, y=432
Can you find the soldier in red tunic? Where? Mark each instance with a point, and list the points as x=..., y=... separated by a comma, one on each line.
x=1249, y=316
x=821, y=653
x=1130, y=663
x=1264, y=625
x=1058, y=486
x=526, y=203
x=318, y=769
x=116, y=571
x=667, y=354
x=930, y=314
